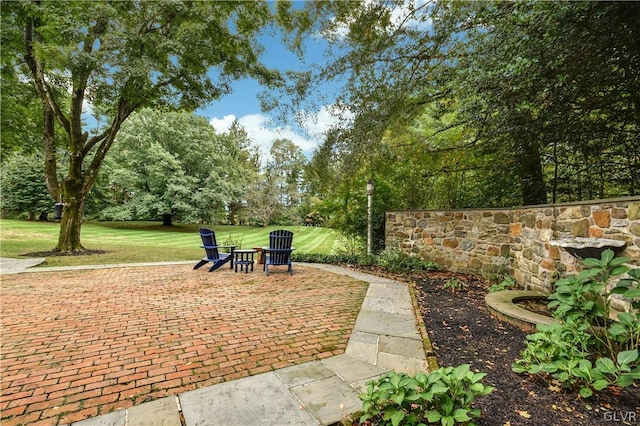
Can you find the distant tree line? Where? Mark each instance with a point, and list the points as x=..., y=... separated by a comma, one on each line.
x=173, y=166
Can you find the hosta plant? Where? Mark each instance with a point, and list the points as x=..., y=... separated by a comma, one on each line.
x=444, y=396
x=588, y=350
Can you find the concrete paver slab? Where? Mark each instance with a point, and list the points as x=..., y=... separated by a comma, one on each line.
x=402, y=354
x=161, y=412
x=351, y=369
x=15, y=266
x=363, y=346
x=259, y=400
x=387, y=324
x=329, y=399
x=302, y=374
x=389, y=305
x=116, y=418
x=401, y=346
x=391, y=289
x=402, y=364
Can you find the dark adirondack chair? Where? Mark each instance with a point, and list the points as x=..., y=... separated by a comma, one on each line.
x=211, y=249
x=279, y=250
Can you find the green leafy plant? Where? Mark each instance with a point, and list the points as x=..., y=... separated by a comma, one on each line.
x=393, y=260
x=583, y=299
x=397, y=261
x=506, y=284
x=444, y=396
x=630, y=288
x=454, y=284
x=588, y=350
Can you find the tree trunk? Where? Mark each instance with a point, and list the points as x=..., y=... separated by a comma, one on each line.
x=532, y=183
x=232, y=213
x=167, y=219
x=69, y=238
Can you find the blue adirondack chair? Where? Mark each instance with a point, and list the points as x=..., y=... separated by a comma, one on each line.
x=211, y=249
x=279, y=250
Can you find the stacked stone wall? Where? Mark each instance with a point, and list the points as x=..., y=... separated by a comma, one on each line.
x=514, y=241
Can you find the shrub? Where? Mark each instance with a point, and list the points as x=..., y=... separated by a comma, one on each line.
x=396, y=261
x=393, y=261
x=455, y=285
x=333, y=259
x=444, y=396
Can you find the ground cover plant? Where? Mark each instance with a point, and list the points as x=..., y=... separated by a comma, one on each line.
x=389, y=261
x=443, y=396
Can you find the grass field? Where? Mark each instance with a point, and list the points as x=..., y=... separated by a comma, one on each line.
x=127, y=242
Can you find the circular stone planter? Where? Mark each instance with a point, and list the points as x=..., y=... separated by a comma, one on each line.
x=502, y=305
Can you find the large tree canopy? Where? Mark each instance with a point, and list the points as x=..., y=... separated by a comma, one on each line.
x=22, y=186
x=478, y=104
x=173, y=165
x=117, y=57
x=547, y=90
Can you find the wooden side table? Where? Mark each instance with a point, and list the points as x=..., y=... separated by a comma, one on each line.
x=260, y=255
x=244, y=258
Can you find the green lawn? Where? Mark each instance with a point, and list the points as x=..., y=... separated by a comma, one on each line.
x=127, y=242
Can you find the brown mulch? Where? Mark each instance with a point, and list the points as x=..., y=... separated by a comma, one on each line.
x=462, y=332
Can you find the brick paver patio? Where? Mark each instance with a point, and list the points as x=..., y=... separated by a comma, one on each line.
x=77, y=344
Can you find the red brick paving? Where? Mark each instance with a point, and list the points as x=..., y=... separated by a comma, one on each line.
x=78, y=344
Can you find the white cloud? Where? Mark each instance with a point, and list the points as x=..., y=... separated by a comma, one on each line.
x=263, y=133
x=409, y=14
x=318, y=123
x=223, y=124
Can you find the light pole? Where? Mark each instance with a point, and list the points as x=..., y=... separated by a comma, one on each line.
x=369, y=204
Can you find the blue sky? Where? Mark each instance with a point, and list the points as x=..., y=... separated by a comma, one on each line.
x=243, y=103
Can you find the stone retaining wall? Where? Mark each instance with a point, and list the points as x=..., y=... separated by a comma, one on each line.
x=514, y=241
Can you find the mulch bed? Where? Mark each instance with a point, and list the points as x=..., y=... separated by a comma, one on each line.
x=462, y=332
